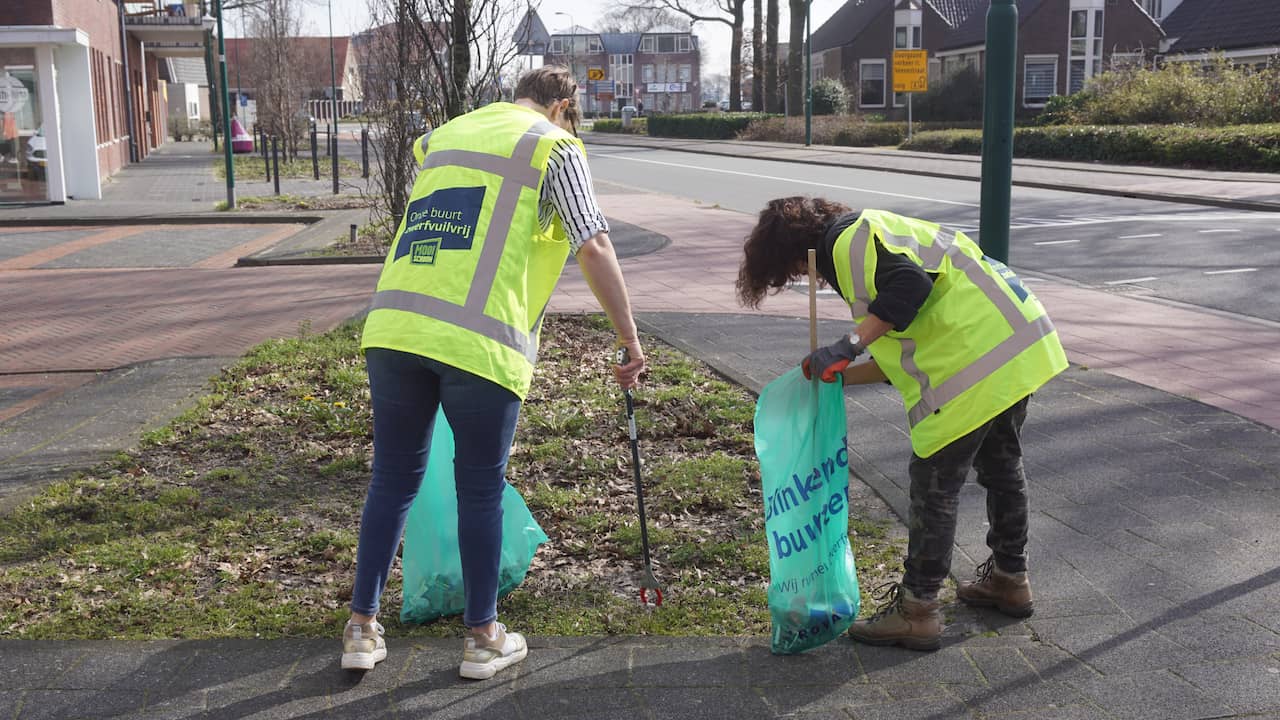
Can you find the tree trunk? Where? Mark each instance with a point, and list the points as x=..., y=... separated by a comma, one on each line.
x=795, y=59
x=461, y=58
x=735, y=57
x=771, y=102
x=757, y=56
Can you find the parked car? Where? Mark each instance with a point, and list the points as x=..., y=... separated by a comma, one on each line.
x=37, y=160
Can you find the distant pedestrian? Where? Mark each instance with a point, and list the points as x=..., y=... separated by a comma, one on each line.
x=505, y=195
x=965, y=344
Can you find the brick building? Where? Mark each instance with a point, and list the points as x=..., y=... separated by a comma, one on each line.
x=658, y=71
x=80, y=89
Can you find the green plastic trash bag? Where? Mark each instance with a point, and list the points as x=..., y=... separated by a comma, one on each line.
x=432, y=565
x=804, y=467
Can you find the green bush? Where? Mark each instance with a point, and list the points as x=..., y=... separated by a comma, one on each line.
x=846, y=130
x=959, y=98
x=830, y=97
x=709, y=126
x=615, y=126
x=1216, y=94
x=1237, y=147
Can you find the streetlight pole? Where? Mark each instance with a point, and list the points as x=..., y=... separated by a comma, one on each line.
x=573, y=46
x=226, y=109
x=997, y=128
x=808, y=77
x=333, y=89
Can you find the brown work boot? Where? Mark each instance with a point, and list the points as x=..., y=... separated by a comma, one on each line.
x=1010, y=593
x=903, y=620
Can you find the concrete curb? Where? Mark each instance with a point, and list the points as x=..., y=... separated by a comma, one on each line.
x=258, y=261
x=221, y=218
x=1229, y=203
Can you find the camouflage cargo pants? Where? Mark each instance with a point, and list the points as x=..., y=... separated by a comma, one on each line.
x=994, y=450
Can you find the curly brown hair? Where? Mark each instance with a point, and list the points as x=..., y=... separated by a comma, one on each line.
x=777, y=249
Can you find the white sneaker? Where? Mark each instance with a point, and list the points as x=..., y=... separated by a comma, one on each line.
x=481, y=658
x=363, y=646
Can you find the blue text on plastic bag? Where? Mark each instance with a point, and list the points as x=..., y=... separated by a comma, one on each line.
x=432, y=566
x=804, y=466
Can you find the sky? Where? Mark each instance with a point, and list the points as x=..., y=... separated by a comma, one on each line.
x=350, y=16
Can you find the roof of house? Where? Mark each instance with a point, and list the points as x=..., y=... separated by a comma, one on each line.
x=1202, y=25
x=847, y=23
x=973, y=31
x=309, y=51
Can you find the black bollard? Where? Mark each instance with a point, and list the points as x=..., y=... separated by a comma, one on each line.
x=315, y=157
x=353, y=234
x=364, y=152
x=335, y=164
x=266, y=161
x=275, y=159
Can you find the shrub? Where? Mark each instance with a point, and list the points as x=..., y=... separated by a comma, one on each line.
x=180, y=127
x=615, y=126
x=709, y=126
x=1215, y=94
x=959, y=98
x=1239, y=147
x=846, y=130
x=830, y=97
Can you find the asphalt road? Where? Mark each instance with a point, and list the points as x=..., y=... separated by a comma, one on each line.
x=1214, y=258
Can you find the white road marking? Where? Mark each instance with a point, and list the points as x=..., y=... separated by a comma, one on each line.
x=1055, y=242
x=1130, y=280
x=1214, y=232
x=1136, y=237
x=1228, y=272
x=790, y=180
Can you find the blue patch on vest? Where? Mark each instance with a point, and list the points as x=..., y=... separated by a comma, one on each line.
x=1010, y=278
x=444, y=220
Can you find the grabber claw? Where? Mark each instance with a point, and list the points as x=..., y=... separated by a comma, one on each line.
x=647, y=581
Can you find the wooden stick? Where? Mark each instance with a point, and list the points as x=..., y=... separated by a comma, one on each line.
x=813, y=300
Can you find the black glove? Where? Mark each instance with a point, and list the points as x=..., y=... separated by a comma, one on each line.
x=832, y=359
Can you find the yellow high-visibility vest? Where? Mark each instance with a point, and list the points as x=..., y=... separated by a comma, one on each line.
x=981, y=341
x=471, y=271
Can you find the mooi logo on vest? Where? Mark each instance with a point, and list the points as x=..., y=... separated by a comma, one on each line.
x=444, y=220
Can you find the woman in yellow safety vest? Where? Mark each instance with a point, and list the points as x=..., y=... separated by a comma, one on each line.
x=503, y=197
x=965, y=344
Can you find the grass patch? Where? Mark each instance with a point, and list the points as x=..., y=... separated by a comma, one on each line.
x=253, y=168
x=240, y=518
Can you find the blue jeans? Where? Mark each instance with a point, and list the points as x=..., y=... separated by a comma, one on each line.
x=406, y=390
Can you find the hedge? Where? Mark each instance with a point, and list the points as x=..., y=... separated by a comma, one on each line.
x=1237, y=147
x=846, y=130
x=615, y=126
x=707, y=126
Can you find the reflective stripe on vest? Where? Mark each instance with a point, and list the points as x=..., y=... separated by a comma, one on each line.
x=1026, y=333
x=517, y=172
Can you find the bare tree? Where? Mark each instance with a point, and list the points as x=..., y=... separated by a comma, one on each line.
x=795, y=58
x=622, y=17
x=715, y=11
x=425, y=62
x=771, y=58
x=757, y=56
x=275, y=69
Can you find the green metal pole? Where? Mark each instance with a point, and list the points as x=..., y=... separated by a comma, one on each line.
x=226, y=109
x=333, y=89
x=997, y=128
x=808, y=78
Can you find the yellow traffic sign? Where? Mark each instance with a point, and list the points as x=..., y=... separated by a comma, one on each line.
x=910, y=71
x=595, y=73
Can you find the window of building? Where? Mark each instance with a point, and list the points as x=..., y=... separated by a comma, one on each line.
x=1039, y=79
x=683, y=44
x=666, y=43
x=685, y=73
x=1154, y=8
x=646, y=73
x=1126, y=60
x=557, y=46
x=1085, y=43
x=646, y=44
x=871, y=83
x=593, y=45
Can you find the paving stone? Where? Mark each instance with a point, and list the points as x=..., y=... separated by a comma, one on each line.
x=1001, y=665
x=1109, y=643
x=915, y=691
x=691, y=666
x=716, y=704
x=556, y=701
x=1152, y=695
x=804, y=699
x=1247, y=686
x=889, y=664
x=835, y=663
x=1097, y=520
x=61, y=704
x=39, y=663
x=1017, y=695
x=580, y=667
x=928, y=709
x=494, y=701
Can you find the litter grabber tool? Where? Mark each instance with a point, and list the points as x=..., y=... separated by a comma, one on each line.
x=647, y=580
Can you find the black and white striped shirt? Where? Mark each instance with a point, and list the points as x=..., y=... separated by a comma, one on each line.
x=568, y=193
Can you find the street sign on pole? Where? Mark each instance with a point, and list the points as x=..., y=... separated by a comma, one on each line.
x=910, y=71
x=595, y=73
